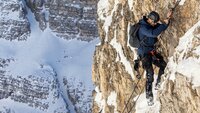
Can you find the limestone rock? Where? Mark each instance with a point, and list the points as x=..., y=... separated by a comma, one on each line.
x=36, y=91
x=67, y=19
x=183, y=95
x=13, y=22
x=113, y=59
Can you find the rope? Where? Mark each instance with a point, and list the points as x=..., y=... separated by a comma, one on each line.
x=131, y=95
x=137, y=99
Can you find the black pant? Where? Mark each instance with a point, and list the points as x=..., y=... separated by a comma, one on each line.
x=147, y=62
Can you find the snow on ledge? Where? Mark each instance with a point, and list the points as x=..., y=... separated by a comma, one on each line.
x=121, y=56
x=108, y=19
x=99, y=100
x=182, y=2
x=141, y=105
x=103, y=6
x=130, y=3
x=112, y=101
x=188, y=66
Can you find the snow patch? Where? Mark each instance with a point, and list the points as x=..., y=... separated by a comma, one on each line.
x=112, y=100
x=142, y=106
x=15, y=108
x=121, y=56
x=99, y=100
x=197, y=51
x=103, y=15
x=103, y=10
x=172, y=67
x=103, y=7
x=188, y=66
x=11, y=14
x=106, y=26
x=182, y=2
x=130, y=4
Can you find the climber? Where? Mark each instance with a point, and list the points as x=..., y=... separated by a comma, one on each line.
x=150, y=28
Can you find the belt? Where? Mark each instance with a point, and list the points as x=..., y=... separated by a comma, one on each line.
x=152, y=53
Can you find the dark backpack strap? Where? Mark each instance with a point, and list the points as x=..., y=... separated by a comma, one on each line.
x=134, y=40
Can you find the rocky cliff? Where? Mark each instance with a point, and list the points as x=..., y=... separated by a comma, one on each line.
x=13, y=21
x=113, y=72
x=39, y=91
x=181, y=89
x=67, y=19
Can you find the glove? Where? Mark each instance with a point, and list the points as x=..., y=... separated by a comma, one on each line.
x=136, y=65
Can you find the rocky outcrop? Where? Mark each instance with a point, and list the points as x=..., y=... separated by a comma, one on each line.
x=77, y=93
x=13, y=22
x=67, y=19
x=181, y=88
x=113, y=59
x=22, y=90
x=37, y=91
x=179, y=96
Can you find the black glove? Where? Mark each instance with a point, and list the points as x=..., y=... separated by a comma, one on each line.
x=136, y=68
x=136, y=65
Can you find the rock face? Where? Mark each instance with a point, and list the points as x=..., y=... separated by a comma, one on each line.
x=39, y=91
x=181, y=89
x=76, y=92
x=67, y=19
x=113, y=59
x=13, y=21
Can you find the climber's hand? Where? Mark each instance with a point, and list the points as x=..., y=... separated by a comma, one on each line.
x=169, y=14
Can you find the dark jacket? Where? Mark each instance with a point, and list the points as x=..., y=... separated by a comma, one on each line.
x=148, y=35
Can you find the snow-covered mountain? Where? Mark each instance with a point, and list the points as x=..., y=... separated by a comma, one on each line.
x=46, y=53
x=12, y=18
x=40, y=72
x=117, y=88
x=68, y=19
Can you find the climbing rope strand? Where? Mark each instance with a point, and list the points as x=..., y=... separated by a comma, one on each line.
x=159, y=39
x=131, y=96
x=137, y=99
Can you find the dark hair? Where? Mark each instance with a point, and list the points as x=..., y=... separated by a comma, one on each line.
x=154, y=16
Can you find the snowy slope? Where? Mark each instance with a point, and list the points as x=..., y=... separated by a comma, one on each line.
x=44, y=56
x=186, y=58
x=14, y=24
